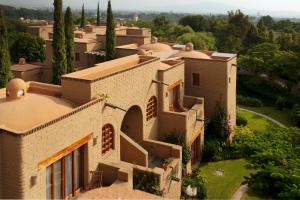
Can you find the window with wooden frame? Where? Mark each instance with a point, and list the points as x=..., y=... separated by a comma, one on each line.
x=151, y=108
x=64, y=178
x=108, y=136
x=196, y=79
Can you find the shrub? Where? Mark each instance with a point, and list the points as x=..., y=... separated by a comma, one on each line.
x=178, y=139
x=212, y=151
x=296, y=114
x=280, y=103
x=249, y=101
x=241, y=120
x=146, y=181
x=217, y=127
x=197, y=180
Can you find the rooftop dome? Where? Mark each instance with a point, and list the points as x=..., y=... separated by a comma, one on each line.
x=30, y=111
x=189, y=52
x=16, y=89
x=155, y=46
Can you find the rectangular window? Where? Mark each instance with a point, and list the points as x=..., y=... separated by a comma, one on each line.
x=57, y=180
x=64, y=176
x=49, y=182
x=77, y=57
x=68, y=176
x=196, y=79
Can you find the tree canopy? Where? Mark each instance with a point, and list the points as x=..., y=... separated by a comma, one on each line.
x=69, y=34
x=110, y=34
x=25, y=45
x=5, y=73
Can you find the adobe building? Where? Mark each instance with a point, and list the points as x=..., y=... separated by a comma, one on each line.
x=209, y=75
x=90, y=45
x=100, y=128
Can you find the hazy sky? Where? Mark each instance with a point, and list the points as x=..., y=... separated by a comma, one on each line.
x=213, y=6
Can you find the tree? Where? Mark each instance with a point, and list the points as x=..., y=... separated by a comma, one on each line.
x=82, y=21
x=197, y=22
x=267, y=21
x=110, y=33
x=59, y=62
x=201, y=40
x=98, y=15
x=25, y=45
x=5, y=73
x=272, y=36
x=161, y=21
x=69, y=33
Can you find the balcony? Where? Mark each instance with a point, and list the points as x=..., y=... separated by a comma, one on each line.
x=189, y=120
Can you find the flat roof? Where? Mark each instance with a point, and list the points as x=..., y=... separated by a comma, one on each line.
x=25, y=67
x=42, y=103
x=108, y=68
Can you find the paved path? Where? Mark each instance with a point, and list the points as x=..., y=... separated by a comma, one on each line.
x=264, y=116
x=240, y=192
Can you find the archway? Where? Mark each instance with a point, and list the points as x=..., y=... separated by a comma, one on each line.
x=132, y=124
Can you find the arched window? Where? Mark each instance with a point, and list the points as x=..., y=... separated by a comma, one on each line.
x=152, y=108
x=108, y=136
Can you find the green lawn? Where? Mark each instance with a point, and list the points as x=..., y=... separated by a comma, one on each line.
x=223, y=187
x=282, y=116
x=255, y=122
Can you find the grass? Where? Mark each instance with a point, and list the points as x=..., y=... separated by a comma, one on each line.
x=283, y=116
x=223, y=187
x=255, y=122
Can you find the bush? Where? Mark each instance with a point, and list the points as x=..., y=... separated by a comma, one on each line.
x=197, y=180
x=178, y=139
x=217, y=128
x=147, y=182
x=296, y=114
x=241, y=120
x=249, y=101
x=212, y=151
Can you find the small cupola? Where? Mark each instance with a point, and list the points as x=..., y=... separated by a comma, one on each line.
x=16, y=89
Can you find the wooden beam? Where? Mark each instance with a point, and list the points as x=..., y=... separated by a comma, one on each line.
x=45, y=163
x=196, y=134
x=173, y=85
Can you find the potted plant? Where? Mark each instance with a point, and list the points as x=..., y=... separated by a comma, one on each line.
x=166, y=163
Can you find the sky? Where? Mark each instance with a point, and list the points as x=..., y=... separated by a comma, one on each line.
x=273, y=7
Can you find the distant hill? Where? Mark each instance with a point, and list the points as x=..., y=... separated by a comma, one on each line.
x=12, y=12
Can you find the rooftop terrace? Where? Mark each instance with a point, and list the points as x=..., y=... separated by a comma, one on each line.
x=109, y=68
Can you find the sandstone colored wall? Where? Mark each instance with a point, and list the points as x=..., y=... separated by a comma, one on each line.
x=122, y=52
x=131, y=152
x=12, y=172
x=213, y=82
x=31, y=75
x=46, y=143
x=119, y=89
x=231, y=90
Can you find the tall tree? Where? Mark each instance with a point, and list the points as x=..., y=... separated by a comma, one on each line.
x=110, y=34
x=59, y=61
x=5, y=73
x=69, y=33
x=82, y=21
x=98, y=15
